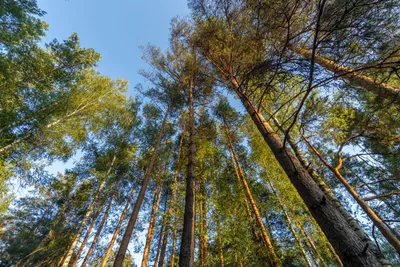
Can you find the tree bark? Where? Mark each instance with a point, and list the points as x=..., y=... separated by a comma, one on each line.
x=150, y=231
x=121, y=219
x=352, y=250
x=274, y=261
x=132, y=220
x=353, y=76
x=203, y=226
x=186, y=255
x=386, y=231
x=159, y=246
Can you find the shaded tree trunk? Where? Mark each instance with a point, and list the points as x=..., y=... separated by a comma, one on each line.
x=159, y=246
x=132, y=220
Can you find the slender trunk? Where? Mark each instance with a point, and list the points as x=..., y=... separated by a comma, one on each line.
x=171, y=200
x=357, y=79
x=75, y=239
x=289, y=223
x=312, y=245
x=121, y=219
x=350, y=247
x=97, y=236
x=159, y=246
x=219, y=239
x=386, y=231
x=274, y=261
x=251, y=219
x=173, y=248
x=203, y=226
x=150, y=231
x=132, y=220
x=186, y=255
x=87, y=235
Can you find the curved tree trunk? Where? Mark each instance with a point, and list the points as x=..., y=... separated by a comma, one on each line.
x=352, y=250
x=132, y=220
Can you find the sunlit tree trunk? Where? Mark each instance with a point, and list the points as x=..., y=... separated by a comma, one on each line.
x=352, y=250
x=132, y=220
x=150, y=231
x=186, y=255
x=159, y=246
x=274, y=261
x=353, y=76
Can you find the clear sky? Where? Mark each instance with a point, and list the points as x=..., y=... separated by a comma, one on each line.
x=115, y=29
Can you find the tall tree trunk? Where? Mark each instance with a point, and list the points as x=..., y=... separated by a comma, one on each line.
x=353, y=76
x=219, y=239
x=150, y=231
x=75, y=239
x=172, y=259
x=116, y=231
x=171, y=200
x=289, y=222
x=352, y=250
x=132, y=220
x=159, y=246
x=274, y=260
x=386, y=231
x=186, y=255
x=203, y=225
x=97, y=236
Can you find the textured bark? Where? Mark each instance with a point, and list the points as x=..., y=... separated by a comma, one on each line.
x=75, y=239
x=132, y=220
x=116, y=231
x=150, y=231
x=274, y=259
x=97, y=236
x=186, y=255
x=353, y=76
x=289, y=223
x=352, y=250
x=386, y=231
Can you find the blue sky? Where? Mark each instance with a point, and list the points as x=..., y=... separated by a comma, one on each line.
x=115, y=29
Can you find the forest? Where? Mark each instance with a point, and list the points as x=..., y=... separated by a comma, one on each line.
x=267, y=134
